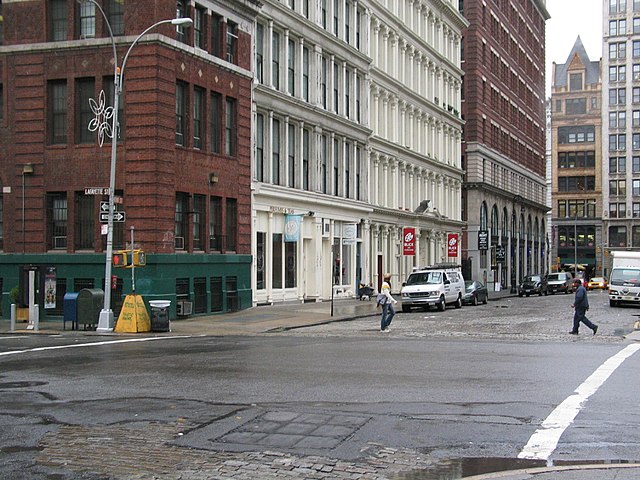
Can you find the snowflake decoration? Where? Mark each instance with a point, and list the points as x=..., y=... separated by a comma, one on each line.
x=102, y=119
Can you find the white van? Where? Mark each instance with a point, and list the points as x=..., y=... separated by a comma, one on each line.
x=624, y=280
x=437, y=285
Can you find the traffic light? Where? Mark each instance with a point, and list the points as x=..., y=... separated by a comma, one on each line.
x=120, y=258
x=139, y=258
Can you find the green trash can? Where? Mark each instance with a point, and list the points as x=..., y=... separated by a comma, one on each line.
x=90, y=303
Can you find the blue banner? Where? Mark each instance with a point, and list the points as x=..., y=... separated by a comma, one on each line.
x=292, y=228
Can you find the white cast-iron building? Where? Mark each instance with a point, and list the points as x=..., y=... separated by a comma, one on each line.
x=357, y=133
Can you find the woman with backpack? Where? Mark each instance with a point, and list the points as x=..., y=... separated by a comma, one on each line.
x=387, y=302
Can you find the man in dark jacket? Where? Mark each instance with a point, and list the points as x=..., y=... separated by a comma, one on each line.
x=581, y=305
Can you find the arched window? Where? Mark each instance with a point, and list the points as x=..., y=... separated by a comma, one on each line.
x=494, y=221
x=483, y=216
x=505, y=223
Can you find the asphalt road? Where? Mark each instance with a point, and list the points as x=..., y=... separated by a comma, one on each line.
x=444, y=395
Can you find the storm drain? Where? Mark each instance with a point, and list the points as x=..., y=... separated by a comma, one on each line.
x=296, y=432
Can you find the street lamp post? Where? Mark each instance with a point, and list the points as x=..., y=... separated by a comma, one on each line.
x=575, y=246
x=105, y=320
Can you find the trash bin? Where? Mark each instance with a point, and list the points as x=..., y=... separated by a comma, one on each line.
x=90, y=303
x=70, y=310
x=160, y=315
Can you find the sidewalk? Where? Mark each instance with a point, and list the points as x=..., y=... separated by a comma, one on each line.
x=251, y=321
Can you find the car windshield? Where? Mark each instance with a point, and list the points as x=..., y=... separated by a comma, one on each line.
x=554, y=277
x=422, y=278
x=597, y=279
x=625, y=276
x=468, y=285
x=532, y=278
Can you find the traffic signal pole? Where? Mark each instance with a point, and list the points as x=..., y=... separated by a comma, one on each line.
x=133, y=267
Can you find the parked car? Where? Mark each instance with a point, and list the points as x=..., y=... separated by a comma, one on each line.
x=597, y=282
x=475, y=292
x=532, y=285
x=560, y=282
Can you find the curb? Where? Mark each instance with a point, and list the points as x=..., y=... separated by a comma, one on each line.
x=518, y=474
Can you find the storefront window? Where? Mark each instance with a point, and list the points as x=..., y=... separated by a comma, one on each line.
x=261, y=240
x=290, y=252
x=337, y=265
x=346, y=263
x=277, y=261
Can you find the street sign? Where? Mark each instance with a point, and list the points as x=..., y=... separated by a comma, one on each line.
x=104, y=207
x=117, y=216
x=97, y=190
x=483, y=240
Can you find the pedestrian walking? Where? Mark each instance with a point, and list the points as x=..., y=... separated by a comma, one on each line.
x=387, y=302
x=581, y=305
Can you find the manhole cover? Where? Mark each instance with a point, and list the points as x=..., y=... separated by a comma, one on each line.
x=297, y=432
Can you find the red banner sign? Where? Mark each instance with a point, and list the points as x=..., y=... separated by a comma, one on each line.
x=409, y=241
x=452, y=244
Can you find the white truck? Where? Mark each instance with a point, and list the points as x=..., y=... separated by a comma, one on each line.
x=437, y=285
x=624, y=280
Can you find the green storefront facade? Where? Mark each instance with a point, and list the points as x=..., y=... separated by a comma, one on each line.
x=196, y=284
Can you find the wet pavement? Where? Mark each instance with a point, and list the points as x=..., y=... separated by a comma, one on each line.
x=253, y=449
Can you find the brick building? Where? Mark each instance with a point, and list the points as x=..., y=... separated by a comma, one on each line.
x=504, y=141
x=183, y=159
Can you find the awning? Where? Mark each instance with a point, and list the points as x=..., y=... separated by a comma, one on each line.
x=573, y=266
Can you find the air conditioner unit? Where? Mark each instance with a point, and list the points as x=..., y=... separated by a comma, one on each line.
x=179, y=242
x=184, y=307
x=60, y=242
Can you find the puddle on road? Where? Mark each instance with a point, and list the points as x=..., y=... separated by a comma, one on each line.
x=452, y=469
x=459, y=468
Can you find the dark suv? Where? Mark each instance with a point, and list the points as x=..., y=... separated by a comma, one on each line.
x=532, y=285
x=560, y=282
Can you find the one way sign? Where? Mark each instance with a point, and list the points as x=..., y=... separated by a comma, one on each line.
x=104, y=207
x=117, y=216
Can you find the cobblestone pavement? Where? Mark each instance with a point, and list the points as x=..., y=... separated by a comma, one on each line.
x=516, y=319
x=147, y=452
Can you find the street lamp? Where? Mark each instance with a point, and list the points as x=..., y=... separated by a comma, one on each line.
x=575, y=245
x=105, y=321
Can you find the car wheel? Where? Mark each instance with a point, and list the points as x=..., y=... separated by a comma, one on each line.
x=475, y=301
x=540, y=293
x=520, y=294
x=406, y=308
x=441, y=305
x=527, y=295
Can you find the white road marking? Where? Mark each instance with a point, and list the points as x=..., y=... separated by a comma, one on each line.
x=92, y=344
x=545, y=440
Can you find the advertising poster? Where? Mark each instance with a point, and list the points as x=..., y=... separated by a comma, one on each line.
x=409, y=241
x=452, y=245
x=50, y=287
